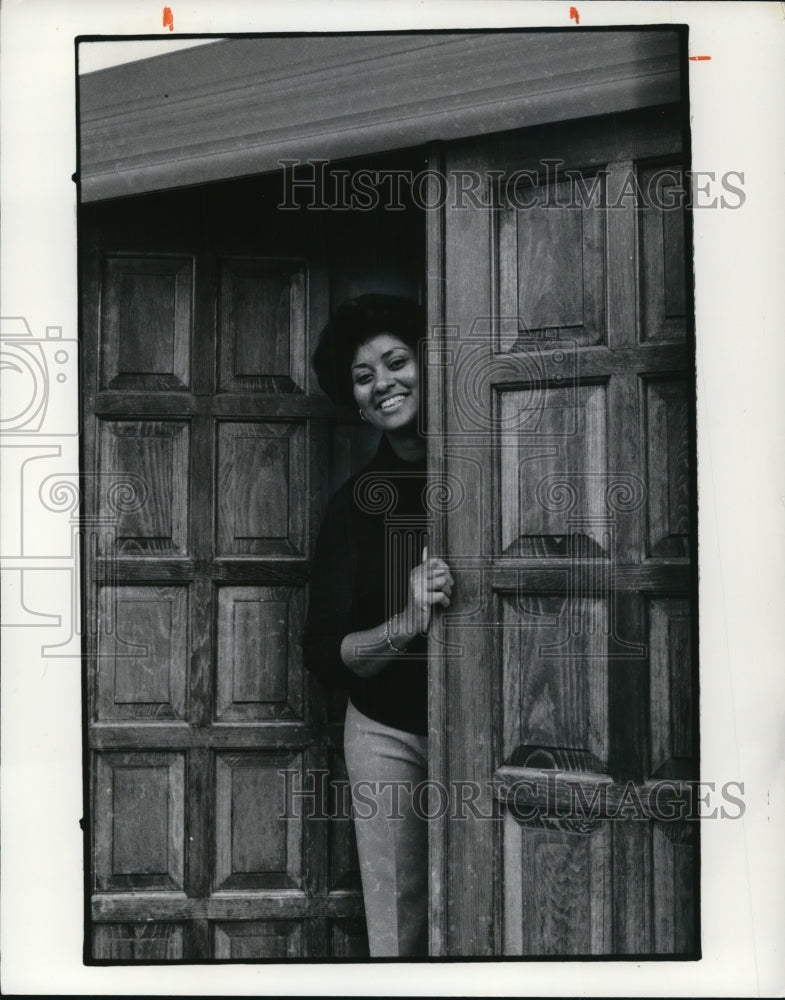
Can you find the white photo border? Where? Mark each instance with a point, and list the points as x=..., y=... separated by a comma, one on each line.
x=737, y=125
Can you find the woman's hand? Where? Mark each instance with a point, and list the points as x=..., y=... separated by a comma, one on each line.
x=430, y=583
x=367, y=653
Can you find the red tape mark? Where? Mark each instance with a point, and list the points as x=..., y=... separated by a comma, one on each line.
x=699, y=58
x=574, y=15
x=168, y=18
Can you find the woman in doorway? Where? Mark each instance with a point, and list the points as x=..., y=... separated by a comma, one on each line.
x=373, y=590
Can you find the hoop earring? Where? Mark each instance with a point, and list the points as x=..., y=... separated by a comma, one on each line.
x=362, y=416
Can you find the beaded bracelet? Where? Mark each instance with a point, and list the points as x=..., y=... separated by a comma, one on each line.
x=387, y=638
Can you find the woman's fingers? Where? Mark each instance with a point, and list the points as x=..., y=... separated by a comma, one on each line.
x=436, y=566
x=433, y=580
x=439, y=578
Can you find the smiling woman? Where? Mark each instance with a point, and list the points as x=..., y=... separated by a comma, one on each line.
x=373, y=590
x=386, y=381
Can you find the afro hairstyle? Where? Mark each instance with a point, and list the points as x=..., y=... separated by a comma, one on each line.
x=353, y=323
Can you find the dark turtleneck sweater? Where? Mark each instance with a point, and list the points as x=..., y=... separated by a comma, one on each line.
x=371, y=538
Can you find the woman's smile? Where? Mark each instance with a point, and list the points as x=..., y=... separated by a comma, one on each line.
x=385, y=381
x=393, y=402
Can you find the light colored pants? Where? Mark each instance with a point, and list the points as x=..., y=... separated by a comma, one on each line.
x=385, y=766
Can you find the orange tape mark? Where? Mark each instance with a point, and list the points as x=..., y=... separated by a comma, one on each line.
x=574, y=15
x=699, y=58
x=168, y=18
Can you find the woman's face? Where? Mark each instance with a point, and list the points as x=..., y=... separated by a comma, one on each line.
x=386, y=380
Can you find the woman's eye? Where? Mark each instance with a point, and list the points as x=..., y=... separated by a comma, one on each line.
x=397, y=362
x=362, y=379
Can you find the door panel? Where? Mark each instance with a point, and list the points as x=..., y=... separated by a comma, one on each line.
x=259, y=664
x=267, y=296
x=550, y=699
x=206, y=464
x=566, y=913
x=666, y=408
x=155, y=454
x=261, y=509
x=146, y=320
x=564, y=448
x=143, y=645
x=254, y=847
x=662, y=249
x=139, y=832
x=552, y=263
x=139, y=942
x=563, y=688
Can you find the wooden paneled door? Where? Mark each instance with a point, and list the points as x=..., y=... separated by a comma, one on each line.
x=563, y=688
x=205, y=477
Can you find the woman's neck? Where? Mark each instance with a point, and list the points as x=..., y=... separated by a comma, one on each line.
x=407, y=445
